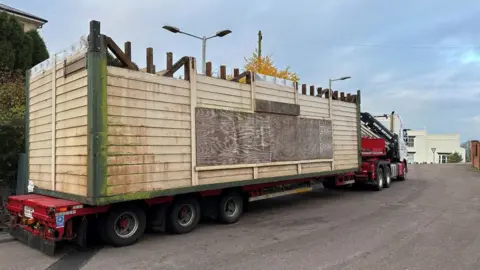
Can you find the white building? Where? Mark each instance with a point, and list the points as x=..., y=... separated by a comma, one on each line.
x=432, y=148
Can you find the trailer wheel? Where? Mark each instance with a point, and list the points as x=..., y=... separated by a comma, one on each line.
x=404, y=176
x=387, y=177
x=184, y=215
x=230, y=208
x=125, y=225
x=379, y=179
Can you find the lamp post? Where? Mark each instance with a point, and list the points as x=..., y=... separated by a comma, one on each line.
x=433, y=151
x=331, y=92
x=204, y=39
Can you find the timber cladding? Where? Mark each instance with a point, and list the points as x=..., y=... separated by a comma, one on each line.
x=228, y=137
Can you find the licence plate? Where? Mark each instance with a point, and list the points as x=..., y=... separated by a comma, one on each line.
x=28, y=211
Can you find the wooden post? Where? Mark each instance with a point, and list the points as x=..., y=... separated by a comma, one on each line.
x=319, y=92
x=236, y=72
x=153, y=69
x=342, y=96
x=223, y=72
x=327, y=93
x=335, y=95
x=347, y=99
x=304, y=89
x=208, y=69
x=312, y=90
x=248, y=79
x=169, y=60
x=128, y=50
x=150, y=60
x=186, y=68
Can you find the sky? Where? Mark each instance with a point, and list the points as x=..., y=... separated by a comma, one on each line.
x=420, y=59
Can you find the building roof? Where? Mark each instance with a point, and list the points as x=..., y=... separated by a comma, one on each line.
x=21, y=13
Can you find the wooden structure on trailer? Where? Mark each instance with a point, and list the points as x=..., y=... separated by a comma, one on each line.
x=98, y=133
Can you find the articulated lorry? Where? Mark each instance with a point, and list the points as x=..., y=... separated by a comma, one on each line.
x=115, y=150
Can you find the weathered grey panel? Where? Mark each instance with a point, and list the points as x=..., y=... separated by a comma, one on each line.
x=75, y=66
x=269, y=106
x=226, y=137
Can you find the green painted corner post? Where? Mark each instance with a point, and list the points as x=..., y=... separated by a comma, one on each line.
x=359, y=129
x=97, y=112
x=23, y=162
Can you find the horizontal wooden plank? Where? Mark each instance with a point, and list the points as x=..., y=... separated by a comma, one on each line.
x=224, y=179
x=147, y=104
x=75, y=66
x=274, y=98
x=145, y=140
x=78, y=160
x=69, y=169
x=148, y=159
x=148, y=131
x=39, y=176
x=80, y=190
x=221, y=83
x=71, y=79
x=147, y=186
x=73, y=113
x=47, y=144
x=36, y=84
x=147, y=149
x=42, y=184
x=268, y=106
x=71, y=150
x=147, y=122
x=72, y=122
x=273, y=86
x=324, y=168
x=40, y=97
x=135, y=77
x=71, y=104
x=147, y=168
x=225, y=173
x=224, y=97
x=40, y=160
x=73, y=86
x=219, y=89
x=290, y=95
x=224, y=105
x=41, y=113
x=39, y=168
x=147, y=113
x=41, y=129
x=41, y=137
x=40, y=152
x=72, y=141
x=147, y=95
x=72, y=132
x=340, y=104
x=128, y=179
x=74, y=94
x=316, y=165
x=277, y=173
x=41, y=105
x=277, y=168
x=313, y=101
x=46, y=73
x=41, y=121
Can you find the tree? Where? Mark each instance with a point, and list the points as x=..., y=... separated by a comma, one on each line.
x=265, y=65
x=454, y=158
x=468, y=151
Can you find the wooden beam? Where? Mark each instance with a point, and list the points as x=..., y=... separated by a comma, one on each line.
x=208, y=69
x=128, y=50
x=182, y=61
x=169, y=60
x=119, y=54
x=304, y=89
x=319, y=92
x=186, y=68
x=236, y=72
x=223, y=72
x=347, y=99
x=149, y=60
x=327, y=93
x=312, y=90
x=335, y=95
x=248, y=78
x=239, y=76
x=342, y=96
x=268, y=106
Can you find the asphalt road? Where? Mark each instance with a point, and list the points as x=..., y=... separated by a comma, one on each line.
x=430, y=221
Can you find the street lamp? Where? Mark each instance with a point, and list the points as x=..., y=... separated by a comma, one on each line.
x=204, y=39
x=331, y=92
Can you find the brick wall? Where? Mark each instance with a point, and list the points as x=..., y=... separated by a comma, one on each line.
x=475, y=154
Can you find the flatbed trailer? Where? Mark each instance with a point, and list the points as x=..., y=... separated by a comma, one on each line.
x=114, y=159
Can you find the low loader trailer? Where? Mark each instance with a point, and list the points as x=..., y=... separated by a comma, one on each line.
x=114, y=150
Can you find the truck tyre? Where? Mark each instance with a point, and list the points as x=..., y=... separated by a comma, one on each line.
x=379, y=180
x=184, y=215
x=387, y=178
x=230, y=208
x=124, y=225
x=404, y=176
